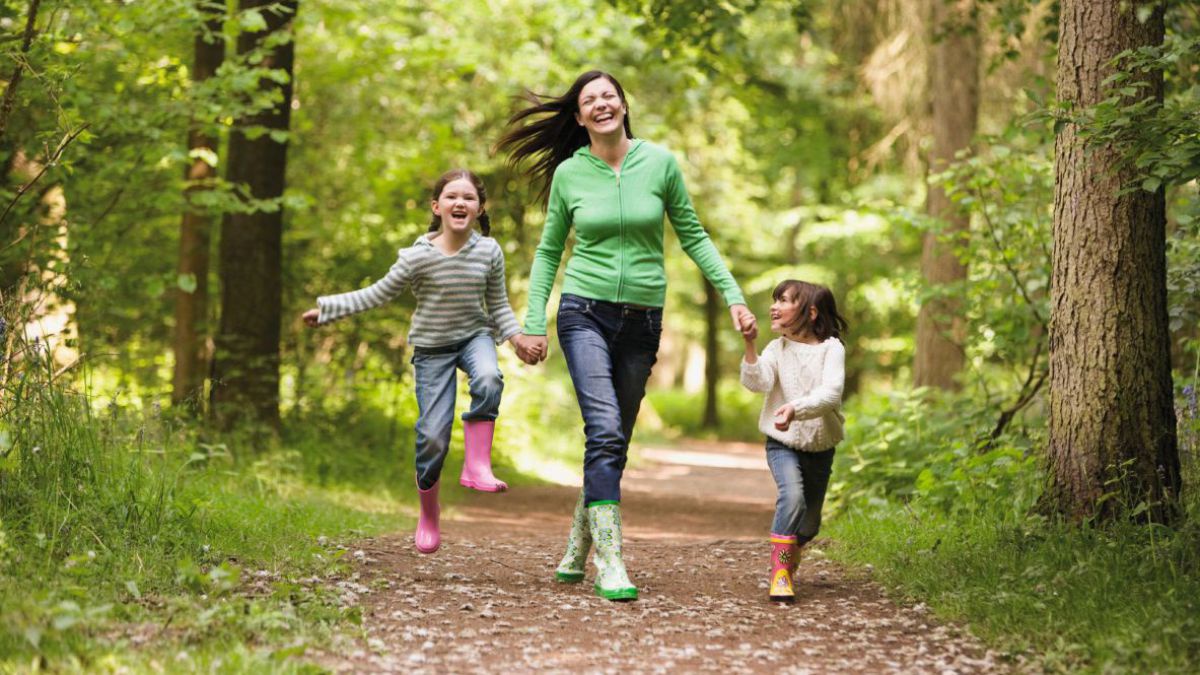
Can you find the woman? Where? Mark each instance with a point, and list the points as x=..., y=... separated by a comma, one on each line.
x=613, y=190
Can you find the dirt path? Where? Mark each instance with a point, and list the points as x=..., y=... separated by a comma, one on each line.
x=695, y=520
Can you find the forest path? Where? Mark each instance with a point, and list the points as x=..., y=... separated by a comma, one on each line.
x=696, y=517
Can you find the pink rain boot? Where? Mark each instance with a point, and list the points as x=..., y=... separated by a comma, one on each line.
x=783, y=551
x=477, y=465
x=795, y=554
x=428, y=536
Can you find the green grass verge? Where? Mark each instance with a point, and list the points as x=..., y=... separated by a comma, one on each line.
x=1120, y=599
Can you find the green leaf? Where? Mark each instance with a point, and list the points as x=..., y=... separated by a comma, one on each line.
x=1151, y=184
x=187, y=282
x=252, y=21
x=132, y=587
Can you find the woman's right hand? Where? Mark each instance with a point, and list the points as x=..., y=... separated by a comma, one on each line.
x=310, y=317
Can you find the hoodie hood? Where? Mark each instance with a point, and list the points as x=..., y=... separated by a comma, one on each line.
x=585, y=152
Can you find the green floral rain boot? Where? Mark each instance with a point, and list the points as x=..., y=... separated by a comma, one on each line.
x=612, y=583
x=579, y=544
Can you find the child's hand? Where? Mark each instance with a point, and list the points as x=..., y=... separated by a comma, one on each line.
x=784, y=415
x=310, y=317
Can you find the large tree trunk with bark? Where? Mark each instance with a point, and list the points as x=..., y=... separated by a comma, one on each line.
x=191, y=304
x=954, y=94
x=1112, y=446
x=712, y=355
x=246, y=364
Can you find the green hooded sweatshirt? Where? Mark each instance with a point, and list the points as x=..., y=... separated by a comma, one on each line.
x=618, y=222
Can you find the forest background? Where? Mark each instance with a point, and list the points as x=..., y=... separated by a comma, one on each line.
x=182, y=178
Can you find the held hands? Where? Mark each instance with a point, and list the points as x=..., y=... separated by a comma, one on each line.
x=531, y=349
x=310, y=317
x=744, y=321
x=784, y=415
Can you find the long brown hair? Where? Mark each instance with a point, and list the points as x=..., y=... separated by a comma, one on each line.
x=555, y=135
x=828, y=322
x=485, y=222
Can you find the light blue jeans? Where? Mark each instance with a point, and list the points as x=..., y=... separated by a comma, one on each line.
x=802, y=479
x=437, y=385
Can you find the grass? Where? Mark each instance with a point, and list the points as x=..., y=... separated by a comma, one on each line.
x=1123, y=597
x=132, y=539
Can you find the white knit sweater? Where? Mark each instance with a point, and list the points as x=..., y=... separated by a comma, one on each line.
x=811, y=378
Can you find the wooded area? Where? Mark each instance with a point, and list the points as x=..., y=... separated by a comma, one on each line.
x=1002, y=195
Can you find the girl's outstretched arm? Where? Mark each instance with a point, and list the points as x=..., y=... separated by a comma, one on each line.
x=334, y=307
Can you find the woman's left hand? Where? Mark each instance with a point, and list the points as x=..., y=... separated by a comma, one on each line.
x=744, y=321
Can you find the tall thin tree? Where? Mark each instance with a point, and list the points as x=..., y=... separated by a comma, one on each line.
x=954, y=99
x=246, y=363
x=191, y=298
x=1112, y=449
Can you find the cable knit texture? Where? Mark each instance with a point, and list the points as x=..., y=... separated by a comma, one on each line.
x=811, y=378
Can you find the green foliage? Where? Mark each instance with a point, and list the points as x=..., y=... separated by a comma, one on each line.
x=1160, y=139
x=682, y=413
x=114, y=523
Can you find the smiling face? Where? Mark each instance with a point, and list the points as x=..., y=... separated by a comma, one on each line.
x=786, y=313
x=458, y=206
x=601, y=110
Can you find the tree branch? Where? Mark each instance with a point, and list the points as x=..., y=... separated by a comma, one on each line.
x=1004, y=257
x=50, y=161
x=10, y=93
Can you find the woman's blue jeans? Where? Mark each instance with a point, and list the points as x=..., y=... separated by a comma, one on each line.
x=436, y=371
x=802, y=478
x=610, y=349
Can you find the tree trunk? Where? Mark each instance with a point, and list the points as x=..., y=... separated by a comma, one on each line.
x=954, y=92
x=191, y=307
x=246, y=364
x=712, y=354
x=1112, y=445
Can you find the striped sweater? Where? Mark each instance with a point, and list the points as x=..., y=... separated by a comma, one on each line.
x=459, y=296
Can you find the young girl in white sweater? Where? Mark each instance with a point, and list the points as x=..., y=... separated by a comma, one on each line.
x=802, y=372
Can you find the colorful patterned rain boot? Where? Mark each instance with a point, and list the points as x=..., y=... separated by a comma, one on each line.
x=612, y=582
x=579, y=544
x=477, y=465
x=428, y=536
x=783, y=555
x=795, y=553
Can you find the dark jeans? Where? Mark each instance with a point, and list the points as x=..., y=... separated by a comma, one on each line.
x=802, y=478
x=610, y=349
x=436, y=372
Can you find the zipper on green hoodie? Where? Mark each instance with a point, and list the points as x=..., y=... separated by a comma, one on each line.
x=649, y=186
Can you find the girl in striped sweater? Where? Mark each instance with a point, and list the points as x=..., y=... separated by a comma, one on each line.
x=462, y=313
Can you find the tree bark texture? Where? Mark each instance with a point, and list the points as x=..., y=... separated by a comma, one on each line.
x=712, y=355
x=954, y=98
x=191, y=307
x=1112, y=444
x=246, y=364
